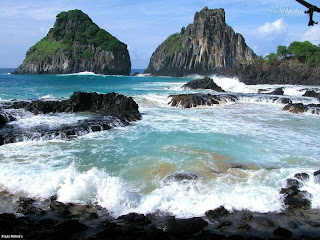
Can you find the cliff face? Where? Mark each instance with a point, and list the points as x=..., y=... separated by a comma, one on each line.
x=76, y=44
x=288, y=71
x=204, y=47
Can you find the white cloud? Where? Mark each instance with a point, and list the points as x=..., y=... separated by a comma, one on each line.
x=312, y=35
x=274, y=31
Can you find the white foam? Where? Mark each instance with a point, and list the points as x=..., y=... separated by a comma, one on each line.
x=82, y=74
x=48, y=96
x=51, y=121
x=231, y=84
x=143, y=75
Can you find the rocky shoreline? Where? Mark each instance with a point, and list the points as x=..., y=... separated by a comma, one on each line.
x=107, y=111
x=51, y=219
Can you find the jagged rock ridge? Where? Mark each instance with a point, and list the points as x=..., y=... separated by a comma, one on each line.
x=204, y=47
x=76, y=44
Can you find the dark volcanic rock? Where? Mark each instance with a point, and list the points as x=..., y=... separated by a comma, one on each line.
x=204, y=83
x=110, y=110
x=301, y=108
x=198, y=99
x=302, y=176
x=216, y=213
x=294, y=198
x=293, y=183
x=288, y=71
x=181, y=227
x=3, y=120
x=204, y=47
x=194, y=100
x=277, y=91
x=311, y=93
x=76, y=44
x=178, y=177
x=109, y=104
x=283, y=233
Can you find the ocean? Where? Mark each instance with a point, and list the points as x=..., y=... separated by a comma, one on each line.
x=242, y=152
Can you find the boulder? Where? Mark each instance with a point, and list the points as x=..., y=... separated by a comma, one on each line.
x=277, y=91
x=179, y=177
x=204, y=83
x=216, y=213
x=181, y=227
x=311, y=93
x=295, y=198
x=3, y=120
x=301, y=108
x=302, y=176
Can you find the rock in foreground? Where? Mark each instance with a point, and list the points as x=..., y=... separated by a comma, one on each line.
x=76, y=44
x=108, y=110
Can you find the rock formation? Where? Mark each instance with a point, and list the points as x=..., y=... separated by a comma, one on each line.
x=110, y=110
x=287, y=71
x=200, y=99
x=204, y=83
x=206, y=46
x=76, y=44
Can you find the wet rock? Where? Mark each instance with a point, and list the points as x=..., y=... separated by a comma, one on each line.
x=216, y=213
x=264, y=221
x=302, y=176
x=224, y=224
x=24, y=202
x=181, y=227
x=285, y=101
x=60, y=208
x=300, y=200
x=112, y=110
x=295, y=108
x=294, y=182
x=243, y=225
x=283, y=233
x=277, y=91
x=290, y=191
x=316, y=175
x=192, y=100
x=314, y=224
x=247, y=216
x=179, y=177
x=301, y=108
x=311, y=93
x=134, y=218
x=69, y=227
x=3, y=120
x=205, y=83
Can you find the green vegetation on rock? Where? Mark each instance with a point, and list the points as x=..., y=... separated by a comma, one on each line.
x=71, y=29
x=305, y=52
x=76, y=26
x=173, y=43
x=43, y=49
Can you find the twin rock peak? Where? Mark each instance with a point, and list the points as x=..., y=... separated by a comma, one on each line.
x=76, y=44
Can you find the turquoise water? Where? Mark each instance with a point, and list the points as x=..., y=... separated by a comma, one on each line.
x=123, y=169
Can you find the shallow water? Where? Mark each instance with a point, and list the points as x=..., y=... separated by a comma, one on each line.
x=242, y=152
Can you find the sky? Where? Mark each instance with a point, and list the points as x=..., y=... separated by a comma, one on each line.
x=144, y=24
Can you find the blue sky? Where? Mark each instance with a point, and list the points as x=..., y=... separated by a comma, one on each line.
x=144, y=24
